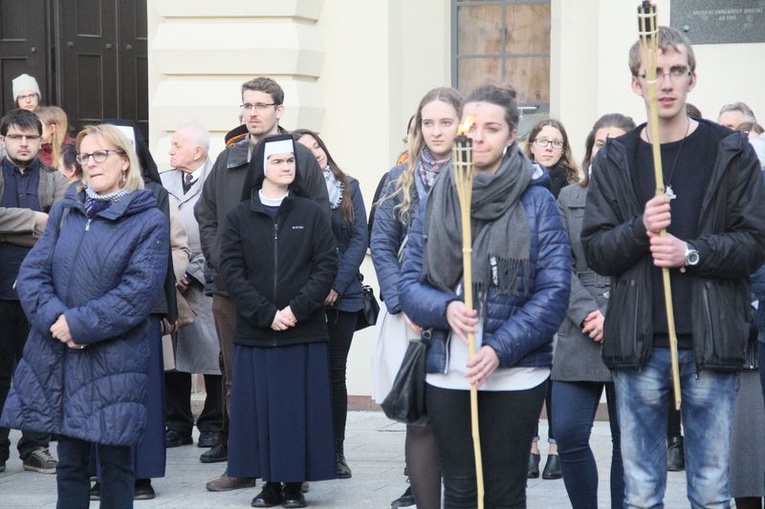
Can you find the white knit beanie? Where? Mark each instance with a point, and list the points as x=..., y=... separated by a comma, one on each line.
x=23, y=83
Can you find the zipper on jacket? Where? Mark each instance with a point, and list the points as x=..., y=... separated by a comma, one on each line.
x=276, y=255
x=708, y=320
x=87, y=225
x=448, y=346
x=276, y=265
x=76, y=254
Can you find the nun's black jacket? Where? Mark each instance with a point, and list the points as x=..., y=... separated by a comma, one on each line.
x=271, y=262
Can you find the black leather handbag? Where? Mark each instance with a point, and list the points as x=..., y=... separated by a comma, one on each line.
x=406, y=400
x=368, y=314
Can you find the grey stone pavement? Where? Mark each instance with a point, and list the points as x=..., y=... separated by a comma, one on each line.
x=374, y=449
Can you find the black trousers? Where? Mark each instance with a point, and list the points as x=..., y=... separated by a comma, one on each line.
x=15, y=329
x=340, y=325
x=507, y=420
x=178, y=403
x=73, y=474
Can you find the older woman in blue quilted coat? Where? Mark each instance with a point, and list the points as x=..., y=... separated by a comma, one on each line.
x=88, y=287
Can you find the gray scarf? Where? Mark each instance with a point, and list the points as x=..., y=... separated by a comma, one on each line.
x=334, y=188
x=500, y=231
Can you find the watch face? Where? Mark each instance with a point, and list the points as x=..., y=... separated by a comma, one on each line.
x=692, y=258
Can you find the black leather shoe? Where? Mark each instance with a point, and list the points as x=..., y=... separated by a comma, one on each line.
x=343, y=471
x=143, y=490
x=675, y=454
x=293, y=496
x=534, y=465
x=270, y=496
x=552, y=467
x=207, y=439
x=176, y=439
x=215, y=455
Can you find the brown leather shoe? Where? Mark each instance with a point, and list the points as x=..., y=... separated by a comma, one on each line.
x=226, y=483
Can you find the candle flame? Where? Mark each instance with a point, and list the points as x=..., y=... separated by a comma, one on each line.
x=465, y=125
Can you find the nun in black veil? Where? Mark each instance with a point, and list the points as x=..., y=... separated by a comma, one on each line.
x=279, y=260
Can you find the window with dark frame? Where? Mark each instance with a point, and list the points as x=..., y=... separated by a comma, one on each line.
x=507, y=40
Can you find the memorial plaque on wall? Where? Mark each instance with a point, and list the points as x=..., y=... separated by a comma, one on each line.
x=719, y=22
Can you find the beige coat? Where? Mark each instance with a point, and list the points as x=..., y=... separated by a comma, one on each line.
x=196, y=346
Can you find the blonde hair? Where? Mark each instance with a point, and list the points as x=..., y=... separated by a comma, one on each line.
x=416, y=143
x=114, y=137
x=53, y=115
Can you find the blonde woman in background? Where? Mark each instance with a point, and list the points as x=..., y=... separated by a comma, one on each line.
x=55, y=133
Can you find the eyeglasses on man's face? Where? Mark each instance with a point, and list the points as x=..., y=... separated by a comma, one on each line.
x=674, y=74
x=19, y=137
x=543, y=142
x=257, y=106
x=98, y=156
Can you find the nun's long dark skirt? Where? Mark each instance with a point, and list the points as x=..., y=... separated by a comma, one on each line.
x=149, y=455
x=281, y=414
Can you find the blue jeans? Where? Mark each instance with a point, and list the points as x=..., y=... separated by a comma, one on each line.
x=642, y=397
x=575, y=406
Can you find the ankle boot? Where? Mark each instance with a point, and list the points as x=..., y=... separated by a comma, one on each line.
x=552, y=467
x=534, y=458
x=675, y=454
x=343, y=471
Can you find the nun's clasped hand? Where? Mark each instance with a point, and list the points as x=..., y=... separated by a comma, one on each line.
x=284, y=319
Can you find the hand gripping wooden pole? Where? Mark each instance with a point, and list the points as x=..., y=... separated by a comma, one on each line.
x=462, y=165
x=649, y=51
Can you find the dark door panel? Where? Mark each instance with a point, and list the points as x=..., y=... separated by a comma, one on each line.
x=88, y=60
x=133, y=62
x=24, y=47
x=89, y=56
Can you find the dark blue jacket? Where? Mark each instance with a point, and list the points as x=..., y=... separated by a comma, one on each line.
x=388, y=234
x=352, y=242
x=519, y=328
x=104, y=276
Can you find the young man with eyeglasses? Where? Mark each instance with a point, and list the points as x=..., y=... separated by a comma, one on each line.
x=714, y=214
x=262, y=108
x=28, y=189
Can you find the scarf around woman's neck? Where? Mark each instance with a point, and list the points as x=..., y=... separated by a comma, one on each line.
x=428, y=167
x=334, y=188
x=95, y=203
x=500, y=231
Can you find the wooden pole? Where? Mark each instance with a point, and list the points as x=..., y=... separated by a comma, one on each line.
x=462, y=164
x=649, y=50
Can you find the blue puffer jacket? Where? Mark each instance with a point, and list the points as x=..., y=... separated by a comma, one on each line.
x=519, y=328
x=104, y=275
x=388, y=233
x=352, y=242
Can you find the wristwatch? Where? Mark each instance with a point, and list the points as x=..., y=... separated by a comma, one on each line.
x=691, y=255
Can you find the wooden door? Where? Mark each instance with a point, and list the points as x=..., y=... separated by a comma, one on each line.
x=90, y=57
x=134, y=63
x=87, y=58
x=24, y=47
